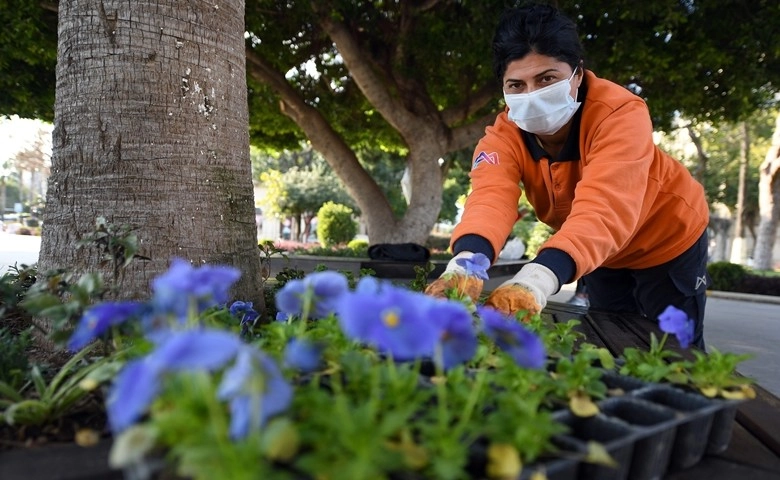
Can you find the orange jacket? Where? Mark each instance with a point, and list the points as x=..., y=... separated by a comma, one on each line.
x=613, y=197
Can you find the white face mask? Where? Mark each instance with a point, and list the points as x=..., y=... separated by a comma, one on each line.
x=543, y=111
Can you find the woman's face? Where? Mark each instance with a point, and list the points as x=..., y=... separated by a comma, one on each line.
x=535, y=71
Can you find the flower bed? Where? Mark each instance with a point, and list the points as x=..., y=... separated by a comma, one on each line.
x=374, y=380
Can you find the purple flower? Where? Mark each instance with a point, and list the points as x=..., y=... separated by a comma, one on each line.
x=183, y=286
x=675, y=321
x=318, y=291
x=289, y=299
x=246, y=313
x=139, y=381
x=195, y=350
x=256, y=390
x=243, y=310
x=395, y=320
x=458, y=339
x=522, y=345
x=369, y=285
x=131, y=394
x=99, y=318
x=303, y=355
x=476, y=266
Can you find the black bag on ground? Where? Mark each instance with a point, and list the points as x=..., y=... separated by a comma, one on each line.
x=399, y=252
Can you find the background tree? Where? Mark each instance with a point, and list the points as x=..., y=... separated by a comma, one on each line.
x=150, y=131
x=769, y=202
x=726, y=158
x=299, y=193
x=25, y=156
x=28, y=55
x=344, y=69
x=415, y=78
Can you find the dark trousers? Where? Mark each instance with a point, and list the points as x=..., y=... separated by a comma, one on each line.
x=681, y=282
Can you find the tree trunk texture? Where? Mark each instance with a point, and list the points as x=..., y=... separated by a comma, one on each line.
x=702, y=158
x=151, y=131
x=769, y=203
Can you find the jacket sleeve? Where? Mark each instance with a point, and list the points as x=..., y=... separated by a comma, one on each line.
x=491, y=206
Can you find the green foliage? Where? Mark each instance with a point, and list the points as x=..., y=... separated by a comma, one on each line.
x=117, y=246
x=726, y=276
x=13, y=287
x=723, y=144
x=72, y=383
x=335, y=224
x=13, y=357
x=577, y=379
x=539, y=234
x=456, y=184
x=560, y=339
x=627, y=42
x=300, y=191
x=712, y=373
x=421, y=274
x=61, y=298
x=359, y=246
x=28, y=57
x=654, y=365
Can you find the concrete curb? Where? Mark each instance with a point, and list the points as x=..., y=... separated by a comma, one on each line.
x=744, y=297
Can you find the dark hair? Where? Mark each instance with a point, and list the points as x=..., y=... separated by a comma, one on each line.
x=542, y=29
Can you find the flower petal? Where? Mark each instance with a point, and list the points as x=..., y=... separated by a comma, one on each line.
x=303, y=355
x=195, y=349
x=131, y=394
x=521, y=344
x=99, y=318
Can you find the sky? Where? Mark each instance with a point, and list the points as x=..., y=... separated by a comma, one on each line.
x=18, y=134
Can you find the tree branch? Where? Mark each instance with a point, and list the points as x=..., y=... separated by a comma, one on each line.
x=373, y=86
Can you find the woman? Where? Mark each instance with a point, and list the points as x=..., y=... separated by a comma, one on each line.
x=627, y=216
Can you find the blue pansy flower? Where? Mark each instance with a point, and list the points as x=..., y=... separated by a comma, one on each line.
x=458, y=338
x=675, y=321
x=202, y=349
x=521, y=344
x=138, y=382
x=475, y=266
x=99, y=318
x=289, y=299
x=132, y=392
x=246, y=313
x=369, y=285
x=303, y=355
x=318, y=293
x=395, y=320
x=255, y=389
x=184, y=286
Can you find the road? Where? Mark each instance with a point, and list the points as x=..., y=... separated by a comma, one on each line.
x=18, y=249
x=731, y=324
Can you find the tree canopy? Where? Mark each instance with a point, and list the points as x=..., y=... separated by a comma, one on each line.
x=416, y=78
x=707, y=60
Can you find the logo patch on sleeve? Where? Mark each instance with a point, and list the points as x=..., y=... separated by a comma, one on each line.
x=484, y=157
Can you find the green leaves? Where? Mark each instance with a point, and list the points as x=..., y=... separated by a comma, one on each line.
x=714, y=375
x=43, y=400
